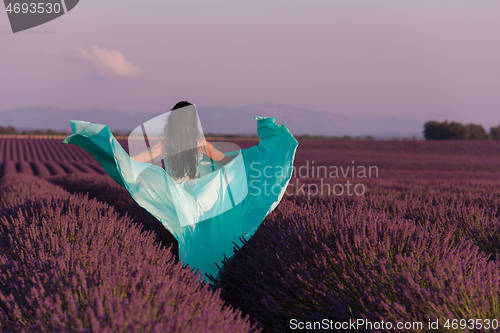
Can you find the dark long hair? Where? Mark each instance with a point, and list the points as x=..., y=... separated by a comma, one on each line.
x=180, y=141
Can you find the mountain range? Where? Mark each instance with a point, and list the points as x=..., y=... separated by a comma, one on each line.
x=222, y=120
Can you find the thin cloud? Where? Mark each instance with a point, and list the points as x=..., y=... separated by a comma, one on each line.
x=109, y=63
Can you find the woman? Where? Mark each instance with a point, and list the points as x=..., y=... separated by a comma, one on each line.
x=180, y=134
x=207, y=199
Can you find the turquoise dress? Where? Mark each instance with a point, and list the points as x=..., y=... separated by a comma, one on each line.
x=207, y=214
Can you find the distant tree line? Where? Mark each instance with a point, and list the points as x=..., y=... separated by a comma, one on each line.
x=325, y=137
x=434, y=130
x=232, y=136
x=12, y=130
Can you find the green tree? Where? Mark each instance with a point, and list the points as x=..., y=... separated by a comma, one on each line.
x=33, y=132
x=495, y=133
x=434, y=130
x=431, y=129
x=42, y=132
x=8, y=130
x=458, y=131
x=477, y=132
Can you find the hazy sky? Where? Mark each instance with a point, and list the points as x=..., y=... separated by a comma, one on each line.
x=412, y=59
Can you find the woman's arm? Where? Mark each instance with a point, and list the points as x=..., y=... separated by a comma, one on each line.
x=148, y=155
x=213, y=153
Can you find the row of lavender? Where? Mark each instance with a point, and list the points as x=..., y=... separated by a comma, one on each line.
x=29, y=149
x=392, y=159
x=406, y=251
x=73, y=264
x=47, y=157
x=48, y=168
x=37, y=149
x=404, y=159
x=44, y=158
x=16, y=149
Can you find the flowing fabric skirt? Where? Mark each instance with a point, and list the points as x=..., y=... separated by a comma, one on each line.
x=206, y=215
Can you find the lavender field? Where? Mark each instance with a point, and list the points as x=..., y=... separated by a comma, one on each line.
x=421, y=245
